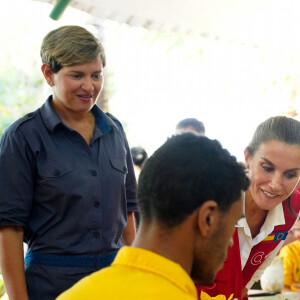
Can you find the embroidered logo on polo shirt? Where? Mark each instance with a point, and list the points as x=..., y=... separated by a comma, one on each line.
x=278, y=236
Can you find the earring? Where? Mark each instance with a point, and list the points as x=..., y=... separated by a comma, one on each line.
x=50, y=83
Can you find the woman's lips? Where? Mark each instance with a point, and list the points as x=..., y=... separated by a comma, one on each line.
x=269, y=194
x=85, y=98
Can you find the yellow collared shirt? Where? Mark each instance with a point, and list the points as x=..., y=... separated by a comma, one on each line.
x=135, y=274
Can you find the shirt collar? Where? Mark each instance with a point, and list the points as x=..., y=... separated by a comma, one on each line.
x=274, y=217
x=103, y=121
x=51, y=118
x=151, y=262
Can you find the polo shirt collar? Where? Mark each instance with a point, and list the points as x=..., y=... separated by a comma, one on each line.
x=154, y=263
x=274, y=217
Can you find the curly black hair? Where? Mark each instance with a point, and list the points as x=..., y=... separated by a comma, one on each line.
x=183, y=173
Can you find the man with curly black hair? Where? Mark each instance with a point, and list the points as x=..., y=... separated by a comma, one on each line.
x=190, y=198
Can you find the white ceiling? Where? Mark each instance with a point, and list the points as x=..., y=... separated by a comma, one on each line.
x=262, y=23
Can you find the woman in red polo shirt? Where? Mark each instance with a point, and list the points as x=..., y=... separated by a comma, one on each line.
x=271, y=206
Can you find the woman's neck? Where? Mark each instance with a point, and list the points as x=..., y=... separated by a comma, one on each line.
x=83, y=122
x=69, y=116
x=255, y=215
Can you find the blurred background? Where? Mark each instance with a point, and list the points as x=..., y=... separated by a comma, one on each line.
x=230, y=64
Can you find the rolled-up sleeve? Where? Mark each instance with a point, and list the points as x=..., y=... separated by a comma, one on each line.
x=16, y=179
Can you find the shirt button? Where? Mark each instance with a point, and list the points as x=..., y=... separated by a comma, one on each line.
x=29, y=115
x=56, y=173
x=96, y=234
x=95, y=260
x=125, y=169
x=96, y=203
x=94, y=173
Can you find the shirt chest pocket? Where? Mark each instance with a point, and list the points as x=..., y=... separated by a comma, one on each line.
x=54, y=169
x=119, y=164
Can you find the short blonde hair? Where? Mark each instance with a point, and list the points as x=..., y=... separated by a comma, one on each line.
x=70, y=45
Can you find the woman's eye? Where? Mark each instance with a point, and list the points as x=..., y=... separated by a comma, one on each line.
x=98, y=76
x=76, y=76
x=291, y=175
x=267, y=168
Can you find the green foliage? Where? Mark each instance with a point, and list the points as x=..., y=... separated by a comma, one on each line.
x=19, y=94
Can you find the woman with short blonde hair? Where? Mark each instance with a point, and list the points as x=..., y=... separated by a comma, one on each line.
x=67, y=185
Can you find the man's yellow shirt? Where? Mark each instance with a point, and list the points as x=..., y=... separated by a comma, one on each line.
x=135, y=274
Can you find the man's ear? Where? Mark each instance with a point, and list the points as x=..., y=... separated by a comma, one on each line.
x=208, y=217
x=47, y=73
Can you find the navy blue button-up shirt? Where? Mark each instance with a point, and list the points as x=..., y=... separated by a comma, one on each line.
x=71, y=198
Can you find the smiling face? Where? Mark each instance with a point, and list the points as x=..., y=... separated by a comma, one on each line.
x=77, y=87
x=274, y=171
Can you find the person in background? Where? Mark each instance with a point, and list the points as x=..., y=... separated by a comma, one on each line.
x=189, y=194
x=271, y=206
x=67, y=184
x=190, y=125
x=290, y=254
x=139, y=157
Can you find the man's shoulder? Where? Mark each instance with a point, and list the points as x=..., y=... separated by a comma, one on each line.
x=133, y=276
x=102, y=283
x=88, y=287
x=123, y=282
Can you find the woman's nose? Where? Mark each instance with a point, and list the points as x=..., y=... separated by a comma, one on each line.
x=276, y=182
x=87, y=84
